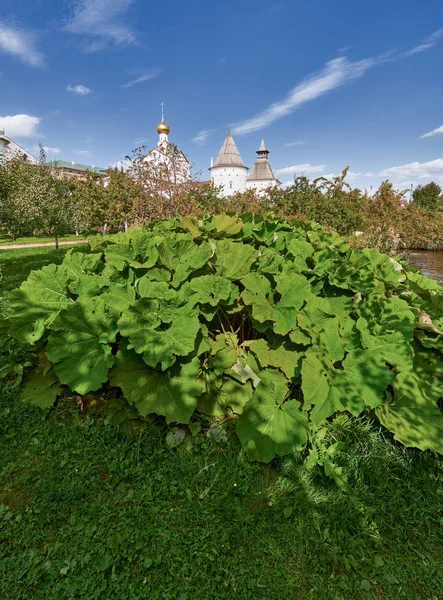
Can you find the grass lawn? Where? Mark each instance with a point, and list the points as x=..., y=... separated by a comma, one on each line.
x=88, y=513
x=6, y=240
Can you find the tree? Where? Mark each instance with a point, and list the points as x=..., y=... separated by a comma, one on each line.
x=329, y=202
x=428, y=197
x=91, y=207
x=121, y=191
x=33, y=198
x=383, y=218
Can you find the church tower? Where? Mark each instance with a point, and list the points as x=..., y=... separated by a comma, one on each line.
x=262, y=176
x=228, y=170
x=167, y=162
x=163, y=130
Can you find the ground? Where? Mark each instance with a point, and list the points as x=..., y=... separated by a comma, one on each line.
x=87, y=512
x=6, y=240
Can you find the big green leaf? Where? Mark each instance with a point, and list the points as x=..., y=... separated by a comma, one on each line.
x=224, y=225
x=163, y=345
x=136, y=320
x=36, y=304
x=387, y=327
x=220, y=392
x=211, y=289
x=41, y=386
x=258, y=295
x=118, y=255
x=293, y=288
x=358, y=382
x=234, y=259
x=414, y=417
x=79, y=345
x=182, y=256
x=270, y=424
x=300, y=251
x=385, y=267
x=79, y=263
x=284, y=356
x=118, y=298
x=141, y=324
x=144, y=245
x=172, y=394
x=147, y=288
x=87, y=285
x=318, y=320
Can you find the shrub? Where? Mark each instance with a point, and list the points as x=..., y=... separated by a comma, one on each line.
x=276, y=324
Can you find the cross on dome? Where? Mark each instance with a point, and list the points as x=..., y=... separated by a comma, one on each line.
x=162, y=127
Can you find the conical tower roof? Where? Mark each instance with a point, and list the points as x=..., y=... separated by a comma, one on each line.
x=229, y=156
x=262, y=171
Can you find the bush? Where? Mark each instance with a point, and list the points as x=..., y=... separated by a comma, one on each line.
x=277, y=325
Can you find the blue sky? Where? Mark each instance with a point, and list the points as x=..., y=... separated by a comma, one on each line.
x=327, y=84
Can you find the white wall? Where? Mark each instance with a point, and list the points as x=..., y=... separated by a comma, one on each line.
x=233, y=179
x=261, y=186
x=160, y=156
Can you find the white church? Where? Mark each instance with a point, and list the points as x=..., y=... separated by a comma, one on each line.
x=228, y=171
x=231, y=174
x=166, y=160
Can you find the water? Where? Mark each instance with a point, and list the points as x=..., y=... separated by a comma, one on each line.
x=430, y=263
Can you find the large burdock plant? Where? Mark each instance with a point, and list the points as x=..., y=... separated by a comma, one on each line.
x=278, y=324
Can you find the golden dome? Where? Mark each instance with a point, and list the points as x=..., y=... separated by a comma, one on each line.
x=163, y=127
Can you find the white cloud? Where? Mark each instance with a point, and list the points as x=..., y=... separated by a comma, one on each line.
x=81, y=90
x=89, y=140
x=21, y=44
x=20, y=126
x=140, y=141
x=83, y=152
x=433, y=132
x=47, y=149
x=429, y=42
x=144, y=77
x=302, y=169
x=334, y=74
x=202, y=136
x=416, y=170
x=102, y=21
x=297, y=143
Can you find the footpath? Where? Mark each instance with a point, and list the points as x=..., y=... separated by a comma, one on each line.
x=42, y=245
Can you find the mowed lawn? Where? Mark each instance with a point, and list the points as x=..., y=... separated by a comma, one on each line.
x=89, y=513
x=6, y=240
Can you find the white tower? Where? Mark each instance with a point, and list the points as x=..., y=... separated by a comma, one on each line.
x=262, y=176
x=228, y=170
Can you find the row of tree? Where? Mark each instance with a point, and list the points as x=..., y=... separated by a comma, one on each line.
x=33, y=199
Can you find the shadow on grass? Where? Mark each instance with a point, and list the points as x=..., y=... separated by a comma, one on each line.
x=16, y=265
x=97, y=514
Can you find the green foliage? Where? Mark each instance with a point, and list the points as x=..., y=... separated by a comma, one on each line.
x=428, y=197
x=278, y=325
x=32, y=198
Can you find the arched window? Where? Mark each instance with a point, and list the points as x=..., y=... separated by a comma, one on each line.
x=230, y=185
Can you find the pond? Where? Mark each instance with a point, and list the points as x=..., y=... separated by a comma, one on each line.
x=429, y=262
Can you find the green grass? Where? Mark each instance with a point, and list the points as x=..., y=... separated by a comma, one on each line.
x=86, y=512
x=6, y=240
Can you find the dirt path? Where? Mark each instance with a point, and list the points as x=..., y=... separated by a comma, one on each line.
x=41, y=245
